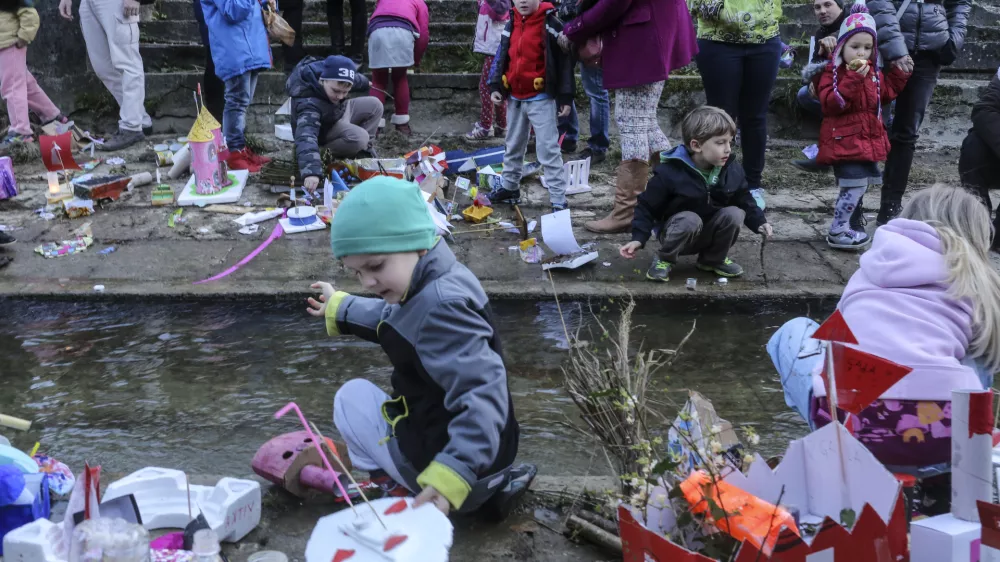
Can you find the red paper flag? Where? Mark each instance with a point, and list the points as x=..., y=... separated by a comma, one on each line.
x=835, y=329
x=989, y=516
x=51, y=156
x=861, y=377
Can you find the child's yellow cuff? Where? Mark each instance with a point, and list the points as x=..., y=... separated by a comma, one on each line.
x=446, y=481
x=332, y=306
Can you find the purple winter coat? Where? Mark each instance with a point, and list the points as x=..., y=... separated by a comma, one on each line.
x=643, y=39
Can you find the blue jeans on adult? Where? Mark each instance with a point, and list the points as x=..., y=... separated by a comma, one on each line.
x=239, y=93
x=809, y=103
x=600, y=111
x=739, y=78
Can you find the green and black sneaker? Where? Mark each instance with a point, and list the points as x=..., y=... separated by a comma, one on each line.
x=728, y=268
x=659, y=270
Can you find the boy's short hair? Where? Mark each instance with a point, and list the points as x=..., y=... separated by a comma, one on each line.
x=706, y=122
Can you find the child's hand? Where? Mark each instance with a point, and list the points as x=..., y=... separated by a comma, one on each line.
x=766, y=230
x=131, y=8
x=564, y=111
x=318, y=308
x=432, y=496
x=66, y=9
x=311, y=183
x=628, y=250
x=20, y=43
x=497, y=98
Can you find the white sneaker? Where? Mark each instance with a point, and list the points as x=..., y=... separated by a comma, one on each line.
x=848, y=240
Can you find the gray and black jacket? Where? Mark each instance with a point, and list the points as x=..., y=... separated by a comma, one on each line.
x=313, y=114
x=936, y=26
x=449, y=382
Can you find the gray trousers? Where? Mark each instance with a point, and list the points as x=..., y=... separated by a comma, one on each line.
x=521, y=117
x=357, y=413
x=356, y=128
x=113, y=47
x=684, y=234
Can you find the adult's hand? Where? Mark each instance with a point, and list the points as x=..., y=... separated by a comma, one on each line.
x=20, y=43
x=812, y=91
x=131, y=8
x=66, y=9
x=564, y=42
x=904, y=63
x=827, y=45
x=564, y=111
x=497, y=98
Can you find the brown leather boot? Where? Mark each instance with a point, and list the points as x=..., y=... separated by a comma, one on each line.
x=632, y=177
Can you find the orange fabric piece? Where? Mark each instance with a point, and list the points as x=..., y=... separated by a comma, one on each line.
x=750, y=519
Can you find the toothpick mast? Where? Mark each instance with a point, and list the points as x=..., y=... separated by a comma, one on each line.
x=831, y=394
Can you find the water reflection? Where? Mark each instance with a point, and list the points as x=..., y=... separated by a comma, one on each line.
x=194, y=386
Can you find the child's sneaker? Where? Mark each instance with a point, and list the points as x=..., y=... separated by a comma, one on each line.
x=258, y=159
x=849, y=239
x=505, y=196
x=242, y=160
x=390, y=488
x=478, y=133
x=404, y=129
x=6, y=239
x=659, y=270
x=556, y=207
x=518, y=480
x=728, y=268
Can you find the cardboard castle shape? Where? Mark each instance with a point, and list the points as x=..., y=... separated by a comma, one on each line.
x=211, y=180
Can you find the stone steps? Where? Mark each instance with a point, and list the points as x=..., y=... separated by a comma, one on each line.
x=986, y=13
x=451, y=102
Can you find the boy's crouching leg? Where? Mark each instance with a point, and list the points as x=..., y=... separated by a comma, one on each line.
x=357, y=413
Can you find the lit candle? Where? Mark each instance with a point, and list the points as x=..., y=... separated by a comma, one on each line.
x=54, y=187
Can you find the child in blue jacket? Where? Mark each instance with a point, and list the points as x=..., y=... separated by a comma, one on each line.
x=240, y=50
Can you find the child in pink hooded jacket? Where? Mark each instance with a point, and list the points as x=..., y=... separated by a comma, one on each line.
x=398, y=34
x=925, y=297
x=493, y=16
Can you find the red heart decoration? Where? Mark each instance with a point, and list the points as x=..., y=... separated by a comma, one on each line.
x=393, y=541
x=342, y=555
x=396, y=507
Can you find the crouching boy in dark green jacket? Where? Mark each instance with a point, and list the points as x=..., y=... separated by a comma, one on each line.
x=698, y=197
x=448, y=429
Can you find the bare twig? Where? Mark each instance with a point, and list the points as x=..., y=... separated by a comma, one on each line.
x=595, y=534
x=770, y=524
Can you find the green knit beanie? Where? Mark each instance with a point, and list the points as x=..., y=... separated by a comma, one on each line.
x=382, y=215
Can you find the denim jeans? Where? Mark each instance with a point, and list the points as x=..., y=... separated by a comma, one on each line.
x=809, y=103
x=239, y=94
x=600, y=111
x=911, y=105
x=739, y=78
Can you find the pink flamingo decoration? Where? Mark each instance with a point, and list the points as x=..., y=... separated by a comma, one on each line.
x=316, y=443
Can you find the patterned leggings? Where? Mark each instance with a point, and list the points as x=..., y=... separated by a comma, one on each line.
x=486, y=114
x=635, y=113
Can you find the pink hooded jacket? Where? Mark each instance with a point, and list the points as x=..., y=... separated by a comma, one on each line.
x=898, y=306
x=413, y=11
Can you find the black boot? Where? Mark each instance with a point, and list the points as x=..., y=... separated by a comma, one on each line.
x=811, y=166
x=499, y=506
x=858, y=220
x=888, y=211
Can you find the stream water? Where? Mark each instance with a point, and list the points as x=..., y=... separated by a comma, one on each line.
x=194, y=386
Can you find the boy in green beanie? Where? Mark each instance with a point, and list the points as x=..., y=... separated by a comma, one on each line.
x=448, y=430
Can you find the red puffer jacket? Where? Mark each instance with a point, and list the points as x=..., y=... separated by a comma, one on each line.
x=852, y=130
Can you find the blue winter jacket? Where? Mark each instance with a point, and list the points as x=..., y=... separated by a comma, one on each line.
x=237, y=36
